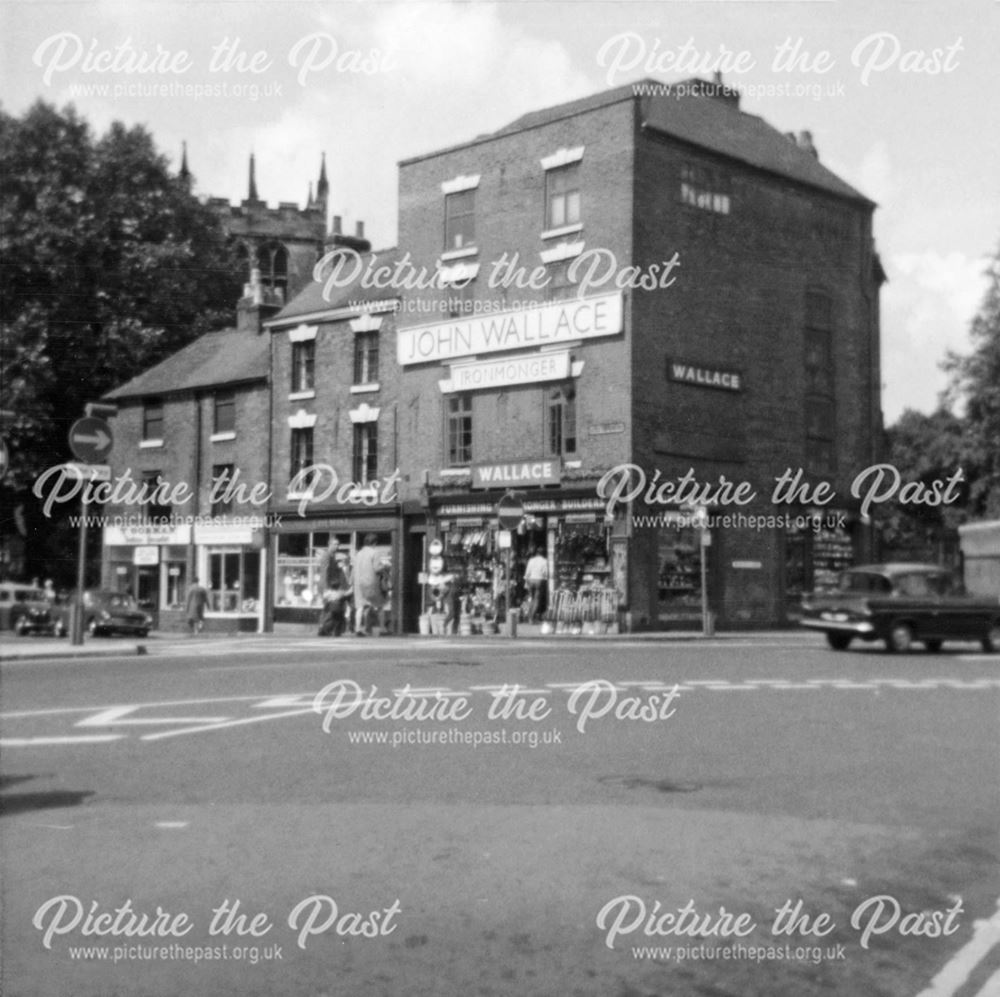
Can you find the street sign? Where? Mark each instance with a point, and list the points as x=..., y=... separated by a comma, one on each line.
x=88, y=472
x=510, y=512
x=90, y=439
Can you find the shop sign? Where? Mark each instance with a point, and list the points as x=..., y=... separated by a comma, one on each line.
x=146, y=534
x=581, y=517
x=145, y=555
x=549, y=325
x=521, y=369
x=747, y=565
x=227, y=533
x=704, y=377
x=530, y=505
x=521, y=472
x=605, y=428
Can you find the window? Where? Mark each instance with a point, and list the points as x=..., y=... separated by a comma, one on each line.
x=365, y=357
x=272, y=261
x=152, y=420
x=153, y=488
x=562, y=196
x=559, y=285
x=233, y=580
x=705, y=189
x=303, y=364
x=222, y=479
x=819, y=383
x=225, y=412
x=460, y=220
x=365, y=452
x=460, y=429
x=302, y=450
x=561, y=421
x=460, y=298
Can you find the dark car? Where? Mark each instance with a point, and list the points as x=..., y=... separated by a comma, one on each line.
x=902, y=604
x=26, y=609
x=108, y=612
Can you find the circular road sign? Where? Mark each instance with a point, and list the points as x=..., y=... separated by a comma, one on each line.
x=90, y=439
x=510, y=512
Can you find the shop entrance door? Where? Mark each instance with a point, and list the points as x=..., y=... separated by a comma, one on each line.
x=147, y=591
x=412, y=595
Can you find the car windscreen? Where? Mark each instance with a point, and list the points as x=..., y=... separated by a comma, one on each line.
x=864, y=583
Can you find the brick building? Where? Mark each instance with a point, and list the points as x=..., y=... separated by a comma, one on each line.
x=745, y=341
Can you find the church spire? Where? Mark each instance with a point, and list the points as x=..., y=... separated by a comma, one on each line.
x=322, y=187
x=252, y=194
x=184, y=173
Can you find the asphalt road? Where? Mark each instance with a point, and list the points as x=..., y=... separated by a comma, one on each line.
x=256, y=820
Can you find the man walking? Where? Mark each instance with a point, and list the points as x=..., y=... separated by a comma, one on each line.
x=368, y=595
x=197, y=602
x=335, y=586
x=536, y=574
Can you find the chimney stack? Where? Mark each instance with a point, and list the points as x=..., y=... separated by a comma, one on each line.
x=806, y=143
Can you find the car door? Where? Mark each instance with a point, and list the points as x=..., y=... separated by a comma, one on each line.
x=920, y=603
x=961, y=619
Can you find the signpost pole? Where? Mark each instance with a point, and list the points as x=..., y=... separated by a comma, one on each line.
x=81, y=563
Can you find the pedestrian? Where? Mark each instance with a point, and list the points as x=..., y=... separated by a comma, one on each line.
x=335, y=585
x=536, y=574
x=369, y=597
x=197, y=602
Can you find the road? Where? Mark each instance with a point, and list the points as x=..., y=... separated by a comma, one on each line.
x=753, y=817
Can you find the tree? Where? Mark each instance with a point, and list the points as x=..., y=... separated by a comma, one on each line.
x=975, y=380
x=109, y=265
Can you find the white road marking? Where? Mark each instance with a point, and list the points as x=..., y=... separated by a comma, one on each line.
x=31, y=742
x=169, y=825
x=992, y=986
x=985, y=934
x=228, y=723
x=117, y=716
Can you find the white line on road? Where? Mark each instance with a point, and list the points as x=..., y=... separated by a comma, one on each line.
x=985, y=934
x=228, y=723
x=992, y=987
x=117, y=716
x=171, y=825
x=31, y=742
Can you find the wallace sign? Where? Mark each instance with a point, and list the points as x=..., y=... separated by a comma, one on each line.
x=704, y=377
x=520, y=472
x=547, y=325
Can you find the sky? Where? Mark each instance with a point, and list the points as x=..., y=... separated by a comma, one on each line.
x=901, y=97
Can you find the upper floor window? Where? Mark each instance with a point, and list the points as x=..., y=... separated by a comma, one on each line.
x=222, y=478
x=459, y=429
x=704, y=188
x=562, y=196
x=272, y=261
x=224, y=420
x=301, y=450
x=153, y=491
x=819, y=343
x=152, y=420
x=560, y=406
x=559, y=285
x=365, y=357
x=460, y=219
x=303, y=364
x=820, y=430
x=365, y=452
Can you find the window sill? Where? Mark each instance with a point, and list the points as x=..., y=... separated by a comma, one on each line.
x=363, y=389
x=455, y=472
x=301, y=396
x=222, y=437
x=150, y=444
x=460, y=254
x=554, y=233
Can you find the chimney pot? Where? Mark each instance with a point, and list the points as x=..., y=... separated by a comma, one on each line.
x=360, y=230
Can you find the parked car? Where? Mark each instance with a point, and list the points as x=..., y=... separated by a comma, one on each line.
x=22, y=607
x=902, y=604
x=107, y=612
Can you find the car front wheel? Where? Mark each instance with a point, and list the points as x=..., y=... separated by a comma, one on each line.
x=839, y=642
x=900, y=638
x=20, y=626
x=991, y=642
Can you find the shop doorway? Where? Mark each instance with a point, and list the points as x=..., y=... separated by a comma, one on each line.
x=147, y=591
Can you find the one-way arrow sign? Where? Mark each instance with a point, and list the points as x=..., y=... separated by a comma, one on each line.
x=90, y=440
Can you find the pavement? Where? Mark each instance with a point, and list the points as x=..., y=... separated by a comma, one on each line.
x=13, y=648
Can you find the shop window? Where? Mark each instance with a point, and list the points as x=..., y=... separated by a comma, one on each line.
x=222, y=477
x=152, y=421
x=296, y=575
x=303, y=365
x=679, y=576
x=459, y=430
x=154, y=508
x=365, y=357
x=561, y=421
x=559, y=285
x=562, y=196
x=225, y=412
x=365, y=452
x=301, y=451
x=460, y=220
x=705, y=189
x=233, y=580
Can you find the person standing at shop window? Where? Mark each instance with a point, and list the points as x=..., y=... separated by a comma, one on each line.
x=368, y=595
x=536, y=574
x=336, y=586
x=197, y=603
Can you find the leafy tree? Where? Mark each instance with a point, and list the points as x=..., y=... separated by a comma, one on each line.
x=109, y=264
x=975, y=380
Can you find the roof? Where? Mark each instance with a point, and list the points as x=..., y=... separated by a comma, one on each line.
x=314, y=298
x=215, y=359
x=711, y=122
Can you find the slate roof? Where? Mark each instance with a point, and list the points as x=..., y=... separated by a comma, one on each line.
x=213, y=360
x=710, y=122
x=311, y=299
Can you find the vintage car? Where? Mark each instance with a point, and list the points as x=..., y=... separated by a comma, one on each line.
x=24, y=609
x=107, y=612
x=902, y=604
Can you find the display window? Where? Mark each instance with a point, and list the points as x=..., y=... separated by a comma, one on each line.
x=233, y=580
x=679, y=572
